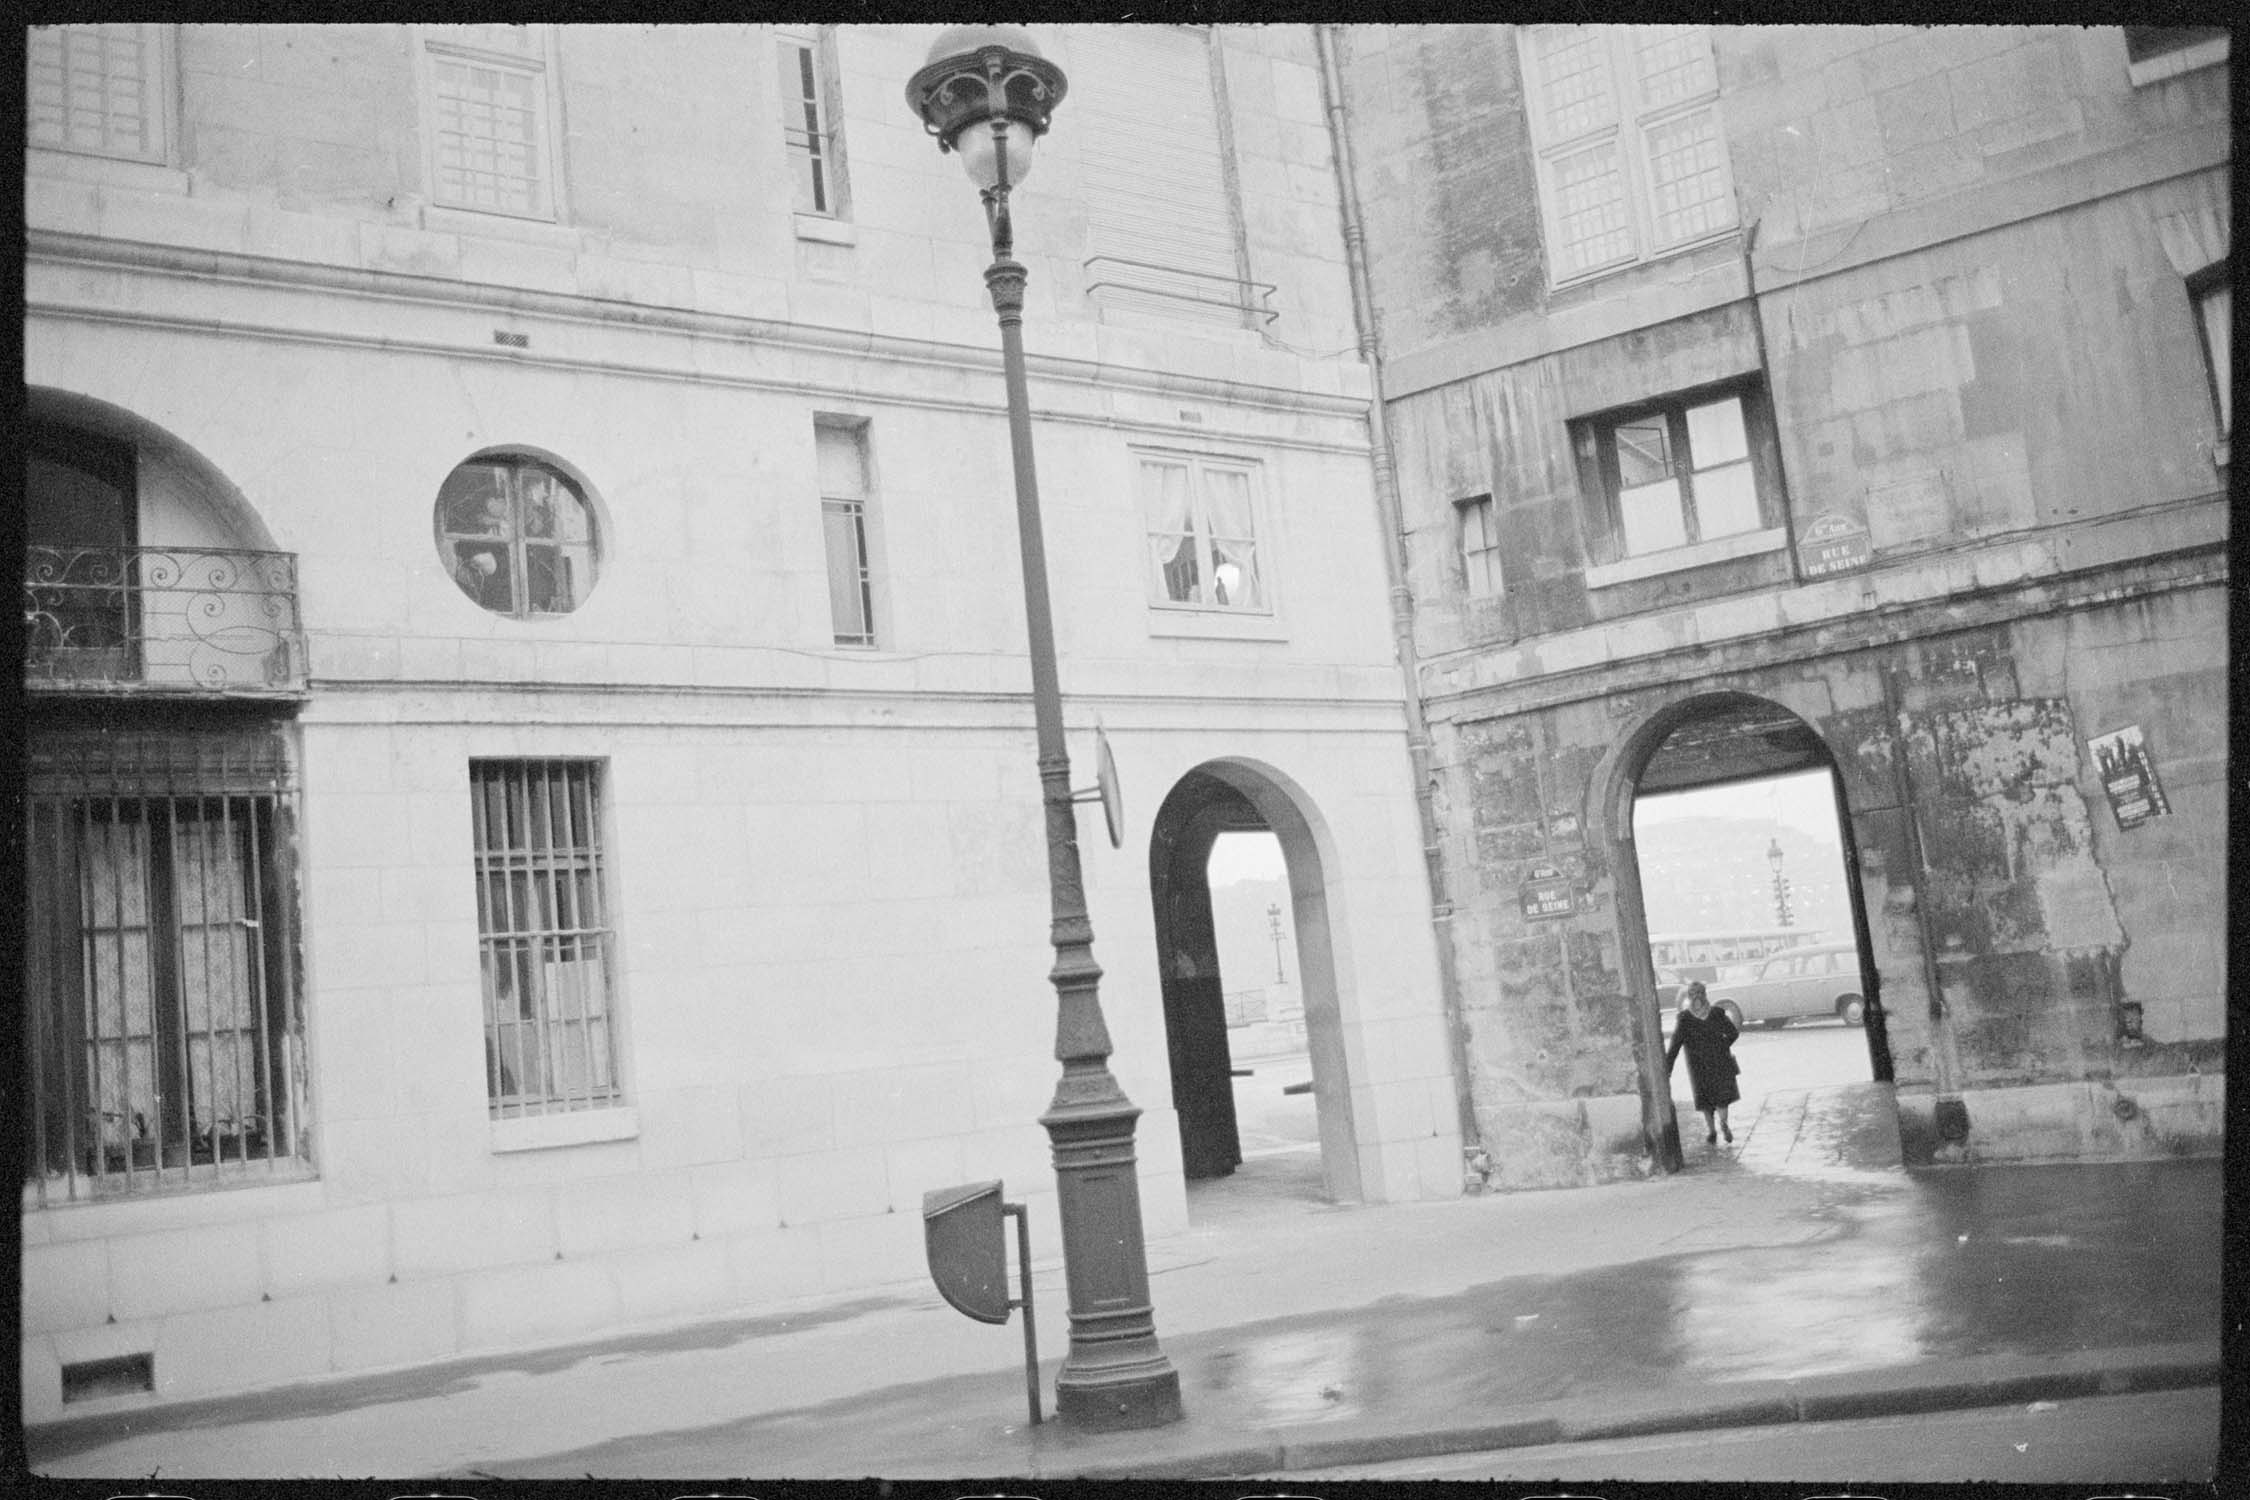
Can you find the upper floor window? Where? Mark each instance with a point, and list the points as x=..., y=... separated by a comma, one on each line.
x=1201, y=518
x=2153, y=52
x=2213, y=294
x=1480, y=546
x=99, y=88
x=490, y=140
x=810, y=128
x=843, y=518
x=1679, y=473
x=1631, y=161
x=518, y=535
x=2211, y=291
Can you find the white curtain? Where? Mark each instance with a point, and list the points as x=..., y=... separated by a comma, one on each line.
x=1167, y=502
x=1234, y=544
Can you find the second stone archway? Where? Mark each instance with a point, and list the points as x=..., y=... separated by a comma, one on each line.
x=1232, y=796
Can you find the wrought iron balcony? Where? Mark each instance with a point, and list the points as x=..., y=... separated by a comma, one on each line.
x=162, y=620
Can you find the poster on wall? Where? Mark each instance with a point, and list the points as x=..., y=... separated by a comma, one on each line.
x=2129, y=776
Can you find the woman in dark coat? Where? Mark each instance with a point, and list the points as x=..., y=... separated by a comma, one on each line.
x=1708, y=1037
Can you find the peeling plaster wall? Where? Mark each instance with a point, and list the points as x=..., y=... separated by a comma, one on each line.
x=1987, y=855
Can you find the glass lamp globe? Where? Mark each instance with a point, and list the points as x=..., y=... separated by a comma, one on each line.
x=981, y=156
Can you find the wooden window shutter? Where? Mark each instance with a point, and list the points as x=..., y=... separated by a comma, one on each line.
x=1161, y=232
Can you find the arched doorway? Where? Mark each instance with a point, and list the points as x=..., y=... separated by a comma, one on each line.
x=1223, y=797
x=1739, y=747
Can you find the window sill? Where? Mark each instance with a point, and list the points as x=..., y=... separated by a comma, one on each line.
x=1579, y=279
x=1215, y=624
x=2171, y=64
x=441, y=218
x=291, y=1190
x=827, y=231
x=1680, y=559
x=109, y=171
x=576, y=1128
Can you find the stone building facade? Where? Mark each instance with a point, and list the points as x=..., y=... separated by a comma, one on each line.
x=1759, y=399
x=533, y=823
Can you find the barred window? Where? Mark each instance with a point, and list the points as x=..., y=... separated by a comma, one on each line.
x=1631, y=161
x=164, y=1041
x=490, y=141
x=98, y=88
x=544, y=932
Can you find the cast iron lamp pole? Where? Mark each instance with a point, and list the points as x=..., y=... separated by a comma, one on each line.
x=987, y=93
x=1780, y=884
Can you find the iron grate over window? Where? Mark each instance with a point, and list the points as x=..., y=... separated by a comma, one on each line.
x=547, y=946
x=164, y=1039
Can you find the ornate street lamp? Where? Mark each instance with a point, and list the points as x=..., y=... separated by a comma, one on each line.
x=1781, y=912
x=987, y=93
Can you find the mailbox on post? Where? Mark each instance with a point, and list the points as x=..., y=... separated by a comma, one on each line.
x=968, y=1253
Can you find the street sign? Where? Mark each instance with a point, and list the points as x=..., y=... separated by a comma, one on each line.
x=1832, y=543
x=1547, y=893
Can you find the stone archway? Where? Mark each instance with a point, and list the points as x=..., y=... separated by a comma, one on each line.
x=1228, y=796
x=1711, y=739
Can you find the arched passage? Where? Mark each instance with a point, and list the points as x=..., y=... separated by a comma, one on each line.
x=1237, y=796
x=1717, y=740
x=185, y=499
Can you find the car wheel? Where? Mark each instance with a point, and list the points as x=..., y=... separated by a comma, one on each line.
x=1851, y=1010
x=1731, y=1011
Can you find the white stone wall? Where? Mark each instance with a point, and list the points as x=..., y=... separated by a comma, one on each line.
x=826, y=867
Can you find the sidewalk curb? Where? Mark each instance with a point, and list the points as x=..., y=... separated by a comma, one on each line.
x=1947, y=1386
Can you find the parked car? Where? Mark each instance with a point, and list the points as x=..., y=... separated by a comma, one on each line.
x=1668, y=987
x=1797, y=984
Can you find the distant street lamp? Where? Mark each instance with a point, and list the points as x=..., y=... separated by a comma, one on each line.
x=987, y=93
x=1780, y=885
x=1273, y=923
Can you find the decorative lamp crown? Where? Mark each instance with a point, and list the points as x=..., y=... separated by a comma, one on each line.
x=986, y=75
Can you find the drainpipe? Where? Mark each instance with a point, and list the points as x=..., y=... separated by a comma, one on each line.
x=1476, y=1166
x=1773, y=400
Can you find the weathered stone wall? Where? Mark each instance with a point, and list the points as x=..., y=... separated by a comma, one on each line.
x=1827, y=127
x=1988, y=858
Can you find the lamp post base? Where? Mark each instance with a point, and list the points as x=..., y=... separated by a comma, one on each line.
x=1121, y=1401
x=1115, y=1377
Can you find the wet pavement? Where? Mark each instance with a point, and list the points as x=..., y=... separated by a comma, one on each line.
x=1801, y=1265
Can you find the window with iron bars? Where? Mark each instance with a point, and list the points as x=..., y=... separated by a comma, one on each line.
x=544, y=931
x=164, y=1039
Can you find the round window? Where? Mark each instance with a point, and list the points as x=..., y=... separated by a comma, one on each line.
x=517, y=535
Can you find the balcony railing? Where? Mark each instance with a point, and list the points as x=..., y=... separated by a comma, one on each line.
x=1177, y=292
x=161, y=620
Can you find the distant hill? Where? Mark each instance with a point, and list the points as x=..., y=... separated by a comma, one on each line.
x=1706, y=874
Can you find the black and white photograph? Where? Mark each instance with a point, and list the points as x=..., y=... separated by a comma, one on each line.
x=1245, y=752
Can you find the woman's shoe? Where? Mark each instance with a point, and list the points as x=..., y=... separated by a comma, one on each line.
x=1728, y=1133
x=1714, y=1136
